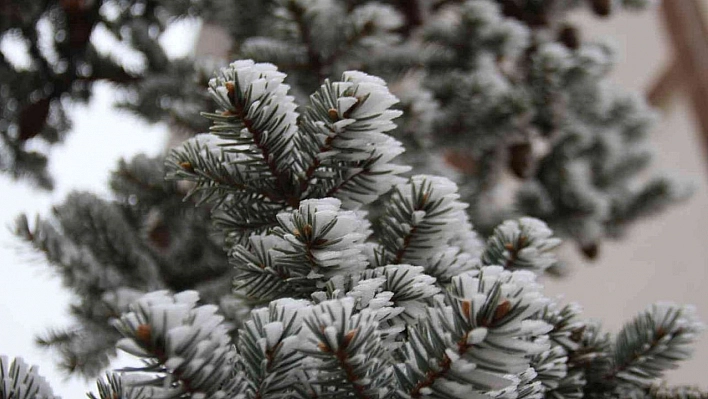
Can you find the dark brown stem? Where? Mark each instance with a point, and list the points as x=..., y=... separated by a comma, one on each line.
x=343, y=359
x=514, y=251
x=660, y=333
x=315, y=164
x=281, y=178
x=406, y=242
x=143, y=337
x=341, y=184
x=444, y=366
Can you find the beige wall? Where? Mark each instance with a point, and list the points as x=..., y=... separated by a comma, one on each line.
x=666, y=257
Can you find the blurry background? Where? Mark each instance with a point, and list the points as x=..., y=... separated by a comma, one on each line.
x=627, y=276
x=664, y=257
x=31, y=298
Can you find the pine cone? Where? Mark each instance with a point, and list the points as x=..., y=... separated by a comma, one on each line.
x=602, y=8
x=570, y=37
x=521, y=159
x=591, y=251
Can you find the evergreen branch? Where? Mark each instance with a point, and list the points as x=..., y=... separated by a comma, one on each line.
x=410, y=289
x=662, y=391
x=351, y=156
x=654, y=196
x=346, y=352
x=466, y=348
x=99, y=255
x=87, y=351
x=365, y=21
x=125, y=172
x=561, y=369
x=215, y=171
x=123, y=386
x=552, y=368
x=20, y=381
x=288, y=56
x=245, y=215
x=524, y=244
x=323, y=241
x=417, y=219
x=268, y=344
x=586, y=351
x=257, y=272
x=449, y=262
x=189, y=346
x=258, y=123
x=652, y=343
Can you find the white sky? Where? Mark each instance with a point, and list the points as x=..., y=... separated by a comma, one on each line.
x=31, y=297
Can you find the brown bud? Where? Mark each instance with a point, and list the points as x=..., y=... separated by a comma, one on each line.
x=601, y=8
x=426, y=197
x=187, y=166
x=570, y=37
x=348, y=337
x=502, y=310
x=591, y=251
x=467, y=308
x=521, y=159
x=333, y=114
x=231, y=90
x=346, y=114
x=660, y=333
x=307, y=230
x=144, y=333
x=324, y=347
x=577, y=334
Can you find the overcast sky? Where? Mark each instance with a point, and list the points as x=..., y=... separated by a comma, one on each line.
x=31, y=297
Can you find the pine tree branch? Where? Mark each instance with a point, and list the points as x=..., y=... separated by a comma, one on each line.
x=343, y=360
x=414, y=215
x=663, y=391
x=524, y=244
x=184, y=343
x=190, y=165
x=19, y=381
x=280, y=177
x=653, y=342
x=346, y=350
